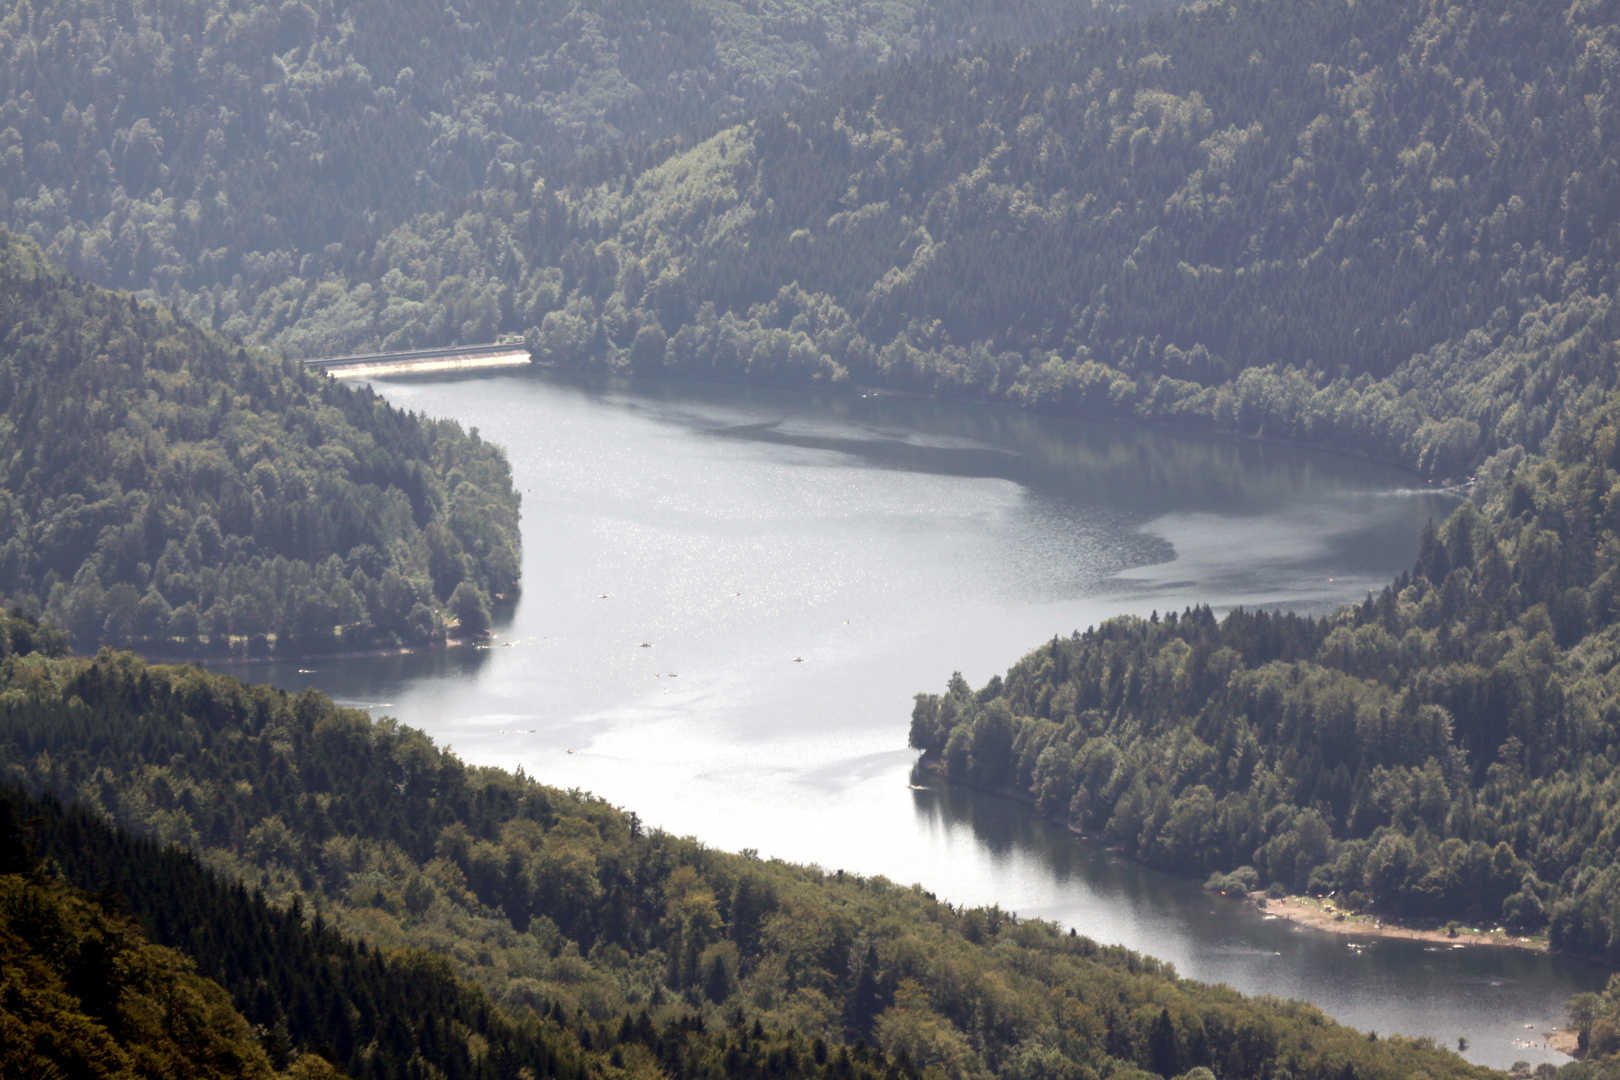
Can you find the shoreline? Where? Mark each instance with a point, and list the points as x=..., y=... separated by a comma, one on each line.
x=275, y=658
x=1451, y=486
x=1563, y=1041
x=1305, y=911
x=1322, y=915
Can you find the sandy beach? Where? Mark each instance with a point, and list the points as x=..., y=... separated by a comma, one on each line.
x=1323, y=915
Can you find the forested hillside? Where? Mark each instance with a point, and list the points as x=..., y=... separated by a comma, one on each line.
x=314, y=997
x=160, y=486
x=557, y=902
x=171, y=145
x=1445, y=750
x=1387, y=226
x=84, y=995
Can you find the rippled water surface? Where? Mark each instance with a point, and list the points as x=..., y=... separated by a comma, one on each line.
x=732, y=594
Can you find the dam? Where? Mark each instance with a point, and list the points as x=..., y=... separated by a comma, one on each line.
x=423, y=361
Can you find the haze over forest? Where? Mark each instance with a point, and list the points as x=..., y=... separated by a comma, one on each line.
x=1389, y=228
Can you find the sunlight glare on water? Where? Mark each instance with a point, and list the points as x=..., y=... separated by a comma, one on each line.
x=799, y=565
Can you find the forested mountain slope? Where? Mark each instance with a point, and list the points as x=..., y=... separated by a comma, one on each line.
x=314, y=997
x=1445, y=750
x=84, y=995
x=1388, y=226
x=160, y=486
x=561, y=903
x=173, y=144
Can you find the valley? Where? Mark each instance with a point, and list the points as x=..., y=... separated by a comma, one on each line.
x=963, y=493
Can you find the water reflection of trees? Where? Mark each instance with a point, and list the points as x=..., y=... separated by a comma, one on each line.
x=1151, y=470
x=1007, y=829
x=370, y=675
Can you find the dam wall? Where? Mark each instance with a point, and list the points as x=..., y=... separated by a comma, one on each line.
x=422, y=361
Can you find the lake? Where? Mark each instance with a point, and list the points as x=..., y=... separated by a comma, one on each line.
x=731, y=595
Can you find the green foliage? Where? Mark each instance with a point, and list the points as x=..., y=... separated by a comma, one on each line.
x=1590, y=1070
x=1444, y=749
x=204, y=148
x=384, y=1015
x=556, y=902
x=84, y=995
x=164, y=488
x=1239, y=882
x=1595, y=1018
x=1381, y=226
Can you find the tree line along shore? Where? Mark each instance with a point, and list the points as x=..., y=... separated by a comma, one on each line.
x=1387, y=227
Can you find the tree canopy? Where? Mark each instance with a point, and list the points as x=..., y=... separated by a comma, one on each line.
x=1444, y=750
x=87, y=996
x=187, y=147
x=83, y=994
x=165, y=488
x=560, y=905
x=1386, y=226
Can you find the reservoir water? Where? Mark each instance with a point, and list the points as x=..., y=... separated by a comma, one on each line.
x=731, y=595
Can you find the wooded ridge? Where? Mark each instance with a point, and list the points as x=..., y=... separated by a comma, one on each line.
x=1386, y=226
x=165, y=488
x=1389, y=227
x=556, y=903
x=86, y=997
x=179, y=147
x=1445, y=750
